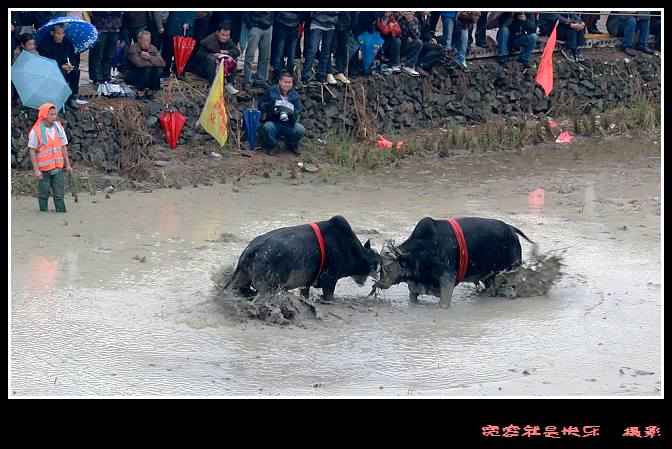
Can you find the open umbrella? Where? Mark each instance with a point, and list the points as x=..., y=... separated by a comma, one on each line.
x=39, y=80
x=172, y=123
x=81, y=33
x=183, y=46
x=251, y=118
x=370, y=44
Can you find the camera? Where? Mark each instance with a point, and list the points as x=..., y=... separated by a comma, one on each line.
x=283, y=116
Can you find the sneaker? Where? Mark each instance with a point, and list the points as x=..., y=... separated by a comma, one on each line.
x=385, y=69
x=411, y=71
x=72, y=103
x=230, y=89
x=396, y=69
x=567, y=54
x=579, y=57
x=331, y=79
x=342, y=78
x=421, y=71
x=628, y=51
x=464, y=65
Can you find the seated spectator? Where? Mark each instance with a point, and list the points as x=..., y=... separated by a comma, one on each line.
x=210, y=52
x=624, y=25
x=411, y=44
x=571, y=30
x=143, y=67
x=282, y=107
x=591, y=23
x=390, y=30
x=516, y=30
x=431, y=52
x=26, y=43
x=62, y=51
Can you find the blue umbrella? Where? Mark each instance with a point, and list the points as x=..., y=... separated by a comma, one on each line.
x=370, y=44
x=251, y=118
x=81, y=33
x=39, y=80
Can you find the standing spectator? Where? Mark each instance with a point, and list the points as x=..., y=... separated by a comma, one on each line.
x=259, y=26
x=180, y=23
x=654, y=27
x=571, y=29
x=131, y=24
x=480, y=29
x=102, y=54
x=347, y=23
x=411, y=44
x=431, y=51
x=142, y=67
x=390, y=30
x=156, y=24
x=201, y=25
x=209, y=53
x=282, y=108
x=624, y=25
x=465, y=21
x=516, y=30
x=448, y=23
x=286, y=35
x=48, y=149
x=60, y=49
x=322, y=30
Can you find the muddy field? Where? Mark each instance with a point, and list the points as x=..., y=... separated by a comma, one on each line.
x=117, y=296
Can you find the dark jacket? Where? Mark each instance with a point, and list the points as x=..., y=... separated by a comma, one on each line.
x=547, y=21
x=427, y=31
x=261, y=20
x=267, y=103
x=210, y=45
x=519, y=27
x=134, y=19
x=106, y=22
x=366, y=21
x=290, y=19
x=347, y=20
x=59, y=52
x=324, y=19
x=176, y=20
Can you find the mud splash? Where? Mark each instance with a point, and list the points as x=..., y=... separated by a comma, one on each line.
x=533, y=278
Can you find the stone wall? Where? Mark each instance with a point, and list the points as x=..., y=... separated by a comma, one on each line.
x=377, y=104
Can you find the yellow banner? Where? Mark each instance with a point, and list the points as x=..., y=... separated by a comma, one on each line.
x=213, y=118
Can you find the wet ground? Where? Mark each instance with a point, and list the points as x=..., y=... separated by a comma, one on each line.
x=116, y=297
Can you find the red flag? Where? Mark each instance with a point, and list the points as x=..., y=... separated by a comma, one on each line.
x=545, y=71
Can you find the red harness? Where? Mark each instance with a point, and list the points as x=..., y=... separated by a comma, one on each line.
x=320, y=240
x=464, y=254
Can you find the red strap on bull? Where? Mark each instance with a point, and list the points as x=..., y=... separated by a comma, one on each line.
x=320, y=241
x=464, y=253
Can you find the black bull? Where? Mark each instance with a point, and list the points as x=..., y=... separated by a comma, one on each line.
x=429, y=260
x=290, y=257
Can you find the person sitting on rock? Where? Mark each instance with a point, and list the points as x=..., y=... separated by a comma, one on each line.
x=623, y=25
x=390, y=30
x=214, y=49
x=282, y=106
x=411, y=44
x=571, y=30
x=516, y=30
x=431, y=52
x=59, y=48
x=142, y=68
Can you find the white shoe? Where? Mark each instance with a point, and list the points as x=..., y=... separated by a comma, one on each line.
x=230, y=89
x=411, y=71
x=342, y=78
x=331, y=79
x=396, y=69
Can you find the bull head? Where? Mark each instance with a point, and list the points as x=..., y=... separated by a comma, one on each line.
x=392, y=270
x=373, y=263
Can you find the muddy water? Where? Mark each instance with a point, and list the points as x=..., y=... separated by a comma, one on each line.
x=89, y=318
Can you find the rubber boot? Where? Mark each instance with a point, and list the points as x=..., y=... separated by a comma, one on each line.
x=44, y=204
x=60, y=206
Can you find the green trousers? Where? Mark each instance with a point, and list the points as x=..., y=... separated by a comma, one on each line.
x=52, y=181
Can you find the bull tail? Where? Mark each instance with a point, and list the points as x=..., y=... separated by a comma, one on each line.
x=233, y=277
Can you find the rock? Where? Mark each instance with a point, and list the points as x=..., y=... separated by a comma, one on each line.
x=588, y=84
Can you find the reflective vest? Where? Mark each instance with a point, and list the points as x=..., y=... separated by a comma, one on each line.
x=49, y=154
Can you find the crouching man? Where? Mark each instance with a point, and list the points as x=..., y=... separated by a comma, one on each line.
x=282, y=106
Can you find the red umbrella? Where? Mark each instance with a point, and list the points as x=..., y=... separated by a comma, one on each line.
x=172, y=123
x=182, y=48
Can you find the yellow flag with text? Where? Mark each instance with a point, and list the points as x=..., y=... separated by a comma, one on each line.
x=213, y=117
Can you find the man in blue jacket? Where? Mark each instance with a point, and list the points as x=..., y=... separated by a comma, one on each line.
x=282, y=106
